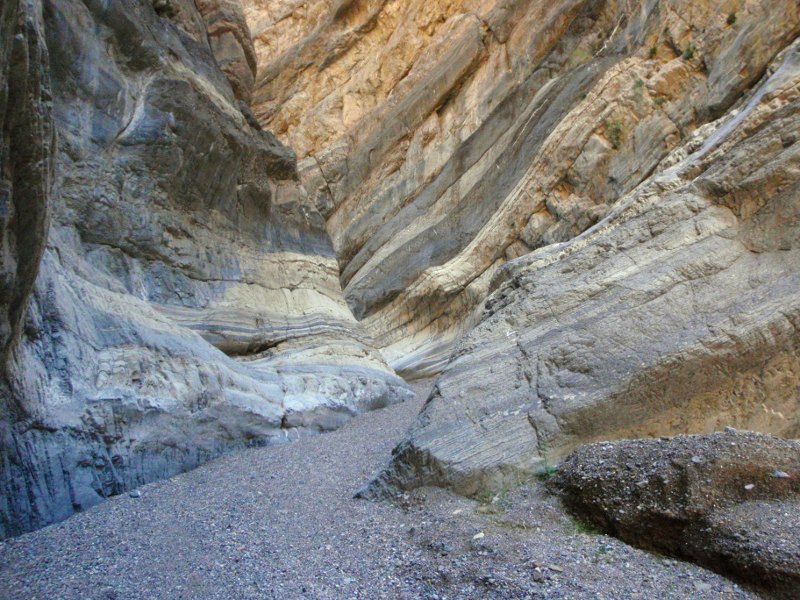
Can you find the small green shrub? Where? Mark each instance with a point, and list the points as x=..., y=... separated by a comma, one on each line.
x=547, y=472
x=660, y=101
x=581, y=526
x=614, y=133
x=688, y=53
x=653, y=52
x=731, y=18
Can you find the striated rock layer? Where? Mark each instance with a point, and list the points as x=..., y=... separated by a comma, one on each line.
x=169, y=292
x=442, y=138
x=679, y=312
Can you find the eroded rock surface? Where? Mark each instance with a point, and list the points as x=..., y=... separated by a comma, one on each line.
x=26, y=153
x=442, y=138
x=730, y=501
x=679, y=312
x=187, y=300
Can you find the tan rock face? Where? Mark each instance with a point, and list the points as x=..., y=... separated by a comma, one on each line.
x=441, y=138
x=679, y=312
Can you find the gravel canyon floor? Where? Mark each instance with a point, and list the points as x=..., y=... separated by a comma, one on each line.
x=281, y=522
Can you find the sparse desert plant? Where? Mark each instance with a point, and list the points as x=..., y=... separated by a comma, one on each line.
x=581, y=526
x=688, y=53
x=638, y=89
x=731, y=18
x=547, y=472
x=653, y=52
x=548, y=469
x=614, y=133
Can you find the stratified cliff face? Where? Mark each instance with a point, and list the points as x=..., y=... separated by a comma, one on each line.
x=441, y=138
x=187, y=300
x=622, y=175
x=679, y=312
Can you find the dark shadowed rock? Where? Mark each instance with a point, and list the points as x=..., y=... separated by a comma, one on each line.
x=26, y=162
x=712, y=499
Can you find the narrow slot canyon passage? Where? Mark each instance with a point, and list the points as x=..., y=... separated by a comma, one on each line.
x=416, y=299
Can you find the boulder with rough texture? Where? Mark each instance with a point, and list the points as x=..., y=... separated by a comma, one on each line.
x=730, y=501
x=679, y=312
x=187, y=300
x=442, y=138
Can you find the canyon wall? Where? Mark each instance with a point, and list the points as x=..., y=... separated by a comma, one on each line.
x=584, y=212
x=442, y=138
x=678, y=313
x=169, y=291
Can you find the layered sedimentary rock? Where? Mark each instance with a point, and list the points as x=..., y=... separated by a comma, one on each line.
x=679, y=312
x=187, y=300
x=728, y=501
x=442, y=138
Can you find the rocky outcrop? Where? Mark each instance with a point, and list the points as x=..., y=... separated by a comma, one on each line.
x=679, y=312
x=728, y=501
x=230, y=42
x=187, y=300
x=441, y=139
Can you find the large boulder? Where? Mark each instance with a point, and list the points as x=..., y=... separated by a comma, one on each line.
x=187, y=300
x=730, y=501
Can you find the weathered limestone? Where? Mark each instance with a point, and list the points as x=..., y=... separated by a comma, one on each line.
x=187, y=300
x=442, y=138
x=679, y=312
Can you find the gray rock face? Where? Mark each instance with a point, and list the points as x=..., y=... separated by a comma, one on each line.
x=187, y=300
x=231, y=44
x=679, y=312
x=713, y=499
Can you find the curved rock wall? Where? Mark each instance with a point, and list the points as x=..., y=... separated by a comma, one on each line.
x=441, y=138
x=187, y=300
x=26, y=156
x=678, y=313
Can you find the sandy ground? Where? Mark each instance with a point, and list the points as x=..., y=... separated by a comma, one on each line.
x=281, y=522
